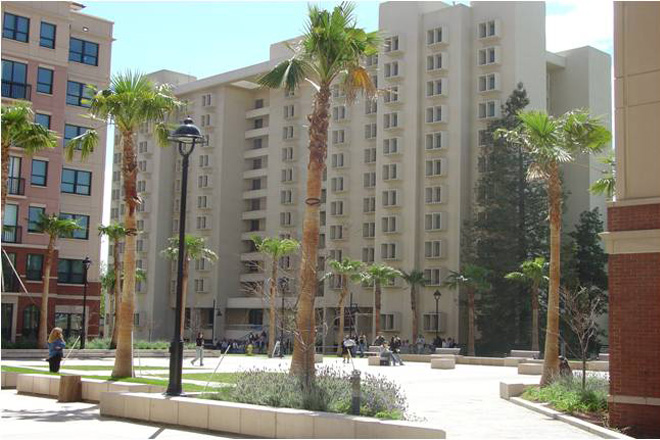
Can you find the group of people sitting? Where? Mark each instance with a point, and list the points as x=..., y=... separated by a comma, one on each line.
x=389, y=354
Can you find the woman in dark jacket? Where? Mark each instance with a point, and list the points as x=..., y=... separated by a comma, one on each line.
x=56, y=346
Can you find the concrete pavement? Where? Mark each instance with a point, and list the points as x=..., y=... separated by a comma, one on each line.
x=465, y=401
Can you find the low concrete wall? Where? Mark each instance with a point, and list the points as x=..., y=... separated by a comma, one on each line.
x=443, y=363
x=530, y=368
x=455, y=350
x=254, y=420
x=9, y=379
x=47, y=385
x=94, y=353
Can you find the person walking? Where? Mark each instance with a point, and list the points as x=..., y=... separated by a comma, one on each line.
x=56, y=346
x=199, y=349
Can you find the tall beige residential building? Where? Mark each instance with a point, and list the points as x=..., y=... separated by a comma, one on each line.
x=401, y=171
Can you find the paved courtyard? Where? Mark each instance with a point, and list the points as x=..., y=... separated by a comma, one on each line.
x=464, y=402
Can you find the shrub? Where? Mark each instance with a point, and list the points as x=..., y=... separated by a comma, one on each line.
x=380, y=397
x=567, y=395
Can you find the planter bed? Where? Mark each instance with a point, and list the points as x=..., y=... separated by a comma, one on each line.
x=255, y=420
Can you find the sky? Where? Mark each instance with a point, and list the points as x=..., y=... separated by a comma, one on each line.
x=204, y=38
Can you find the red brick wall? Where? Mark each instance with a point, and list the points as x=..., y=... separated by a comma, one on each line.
x=633, y=218
x=634, y=316
x=643, y=420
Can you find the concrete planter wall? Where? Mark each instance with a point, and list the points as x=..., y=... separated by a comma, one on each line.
x=254, y=420
x=46, y=385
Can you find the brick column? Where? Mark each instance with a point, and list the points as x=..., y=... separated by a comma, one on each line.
x=633, y=242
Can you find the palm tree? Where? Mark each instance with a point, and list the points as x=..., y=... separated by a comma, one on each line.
x=131, y=100
x=115, y=232
x=194, y=248
x=347, y=270
x=378, y=274
x=331, y=50
x=552, y=141
x=606, y=184
x=414, y=278
x=473, y=279
x=275, y=248
x=55, y=227
x=19, y=130
x=532, y=273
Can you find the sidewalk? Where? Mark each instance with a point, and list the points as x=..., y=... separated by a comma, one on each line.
x=29, y=417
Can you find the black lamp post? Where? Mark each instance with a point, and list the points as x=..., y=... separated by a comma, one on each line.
x=186, y=136
x=86, y=263
x=282, y=326
x=353, y=309
x=436, y=296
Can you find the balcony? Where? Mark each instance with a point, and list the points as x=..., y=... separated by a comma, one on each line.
x=256, y=132
x=12, y=234
x=255, y=173
x=16, y=186
x=256, y=152
x=247, y=236
x=252, y=256
x=257, y=112
x=14, y=90
x=253, y=215
x=255, y=194
x=252, y=277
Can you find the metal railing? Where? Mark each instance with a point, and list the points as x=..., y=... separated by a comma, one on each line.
x=15, y=90
x=16, y=186
x=12, y=234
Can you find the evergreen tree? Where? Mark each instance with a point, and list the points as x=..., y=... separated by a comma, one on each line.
x=587, y=263
x=509, y=226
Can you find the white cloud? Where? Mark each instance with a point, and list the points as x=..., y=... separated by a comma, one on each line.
x=574, y=23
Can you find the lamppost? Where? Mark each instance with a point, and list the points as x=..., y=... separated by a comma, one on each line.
x=282, y=324
x=353, y=309
x=186, y=136
x=436, y=296
x=86, y=263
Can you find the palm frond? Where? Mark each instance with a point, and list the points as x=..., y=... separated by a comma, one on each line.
x=84, y=143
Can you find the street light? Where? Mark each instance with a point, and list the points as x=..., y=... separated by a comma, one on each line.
x=86, y=263
x=186, y=136
x=436, y=296
x=353, y=309
x=281, y=324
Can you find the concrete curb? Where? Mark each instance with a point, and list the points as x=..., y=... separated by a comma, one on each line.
x=573, y=421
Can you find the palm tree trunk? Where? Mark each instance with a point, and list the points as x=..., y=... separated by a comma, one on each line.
x=377, y=304
x=117, y=294
x=535, y=318
x=43, y=314
x=124, y=354
x=413, y=308
x=271, y=315
x=551, y=352
x=5, y=172
x=470, y=294
x=303, y=350
x=342, y=299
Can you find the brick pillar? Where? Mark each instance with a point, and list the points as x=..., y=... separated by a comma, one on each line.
x=634, y=309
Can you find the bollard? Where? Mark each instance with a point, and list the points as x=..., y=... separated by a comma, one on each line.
x=355, y=393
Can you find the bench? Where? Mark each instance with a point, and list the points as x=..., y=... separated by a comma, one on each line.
x=530, y=354
x=530, y=368
x=454, y=351
x=377, y=362
x=443, y=363
x=603, y=356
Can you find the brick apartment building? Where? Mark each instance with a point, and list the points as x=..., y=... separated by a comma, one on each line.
x=50, y=51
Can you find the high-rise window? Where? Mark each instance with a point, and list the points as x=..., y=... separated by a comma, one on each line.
x=83, y=222
x=45, y=81
x=34, y=214
x=76, y=182
x=82, y=51
x=70, y=271
x=14, y=80
x=47, y=35
x=16, y=27
x=39, y=175
x=34, y=267
x=77, y=94
x=72, y=131
x=42, y=119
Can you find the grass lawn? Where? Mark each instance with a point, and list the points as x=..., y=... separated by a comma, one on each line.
x=163, y=382
x=217, y=377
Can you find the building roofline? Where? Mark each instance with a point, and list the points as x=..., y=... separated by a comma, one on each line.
x=224, y=78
